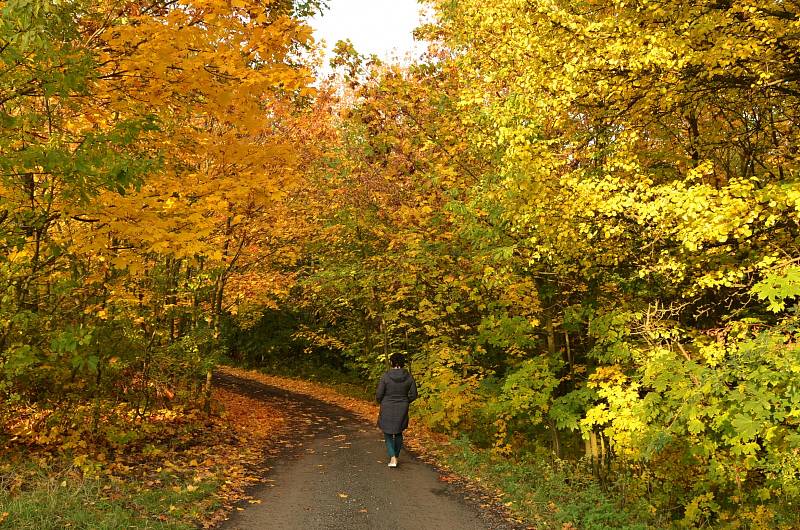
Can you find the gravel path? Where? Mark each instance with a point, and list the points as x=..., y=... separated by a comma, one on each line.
x=329, y=472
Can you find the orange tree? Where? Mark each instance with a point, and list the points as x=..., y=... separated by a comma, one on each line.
x=145, y=147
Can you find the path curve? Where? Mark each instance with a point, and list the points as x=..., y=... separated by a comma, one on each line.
x=329, y=472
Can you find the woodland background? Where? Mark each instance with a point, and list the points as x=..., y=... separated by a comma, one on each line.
x=580, y=220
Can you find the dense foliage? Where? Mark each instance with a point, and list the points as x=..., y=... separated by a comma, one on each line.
x=141, y=186
x=581, y=219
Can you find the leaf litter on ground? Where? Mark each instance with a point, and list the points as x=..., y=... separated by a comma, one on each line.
x=190, y=466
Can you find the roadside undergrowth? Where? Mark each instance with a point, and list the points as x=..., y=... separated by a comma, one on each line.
x=181, y=468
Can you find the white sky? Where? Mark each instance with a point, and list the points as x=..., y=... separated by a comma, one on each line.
x=382, y=27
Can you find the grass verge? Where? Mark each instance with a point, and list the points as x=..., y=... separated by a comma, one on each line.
x=543, y=491
x=60, y=500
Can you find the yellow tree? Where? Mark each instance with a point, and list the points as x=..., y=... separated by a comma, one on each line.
x=648, y=165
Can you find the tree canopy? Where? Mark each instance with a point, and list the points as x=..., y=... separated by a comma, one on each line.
x=580, y=220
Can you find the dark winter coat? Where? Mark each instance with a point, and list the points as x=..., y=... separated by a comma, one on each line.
x=395, y=391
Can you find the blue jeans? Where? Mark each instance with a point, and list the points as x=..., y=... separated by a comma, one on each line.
x=394, y=442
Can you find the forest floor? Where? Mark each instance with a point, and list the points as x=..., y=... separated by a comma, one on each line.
x=179, y=469
x=329, y=469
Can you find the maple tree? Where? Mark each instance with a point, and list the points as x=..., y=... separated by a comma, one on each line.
x=145, y=146
x=658, y=149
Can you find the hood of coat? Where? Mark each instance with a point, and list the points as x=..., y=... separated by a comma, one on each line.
x=398, y=375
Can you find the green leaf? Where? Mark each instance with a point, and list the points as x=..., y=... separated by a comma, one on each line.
x=746, y=428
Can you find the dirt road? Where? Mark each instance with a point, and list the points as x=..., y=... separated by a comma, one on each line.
x=329, y=471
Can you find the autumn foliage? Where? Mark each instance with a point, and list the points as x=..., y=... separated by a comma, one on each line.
x=579, y=219
x=147, y=156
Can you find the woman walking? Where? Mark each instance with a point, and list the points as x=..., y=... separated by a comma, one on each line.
x=395, y=391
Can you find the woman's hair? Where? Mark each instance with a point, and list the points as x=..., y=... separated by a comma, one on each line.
x=397, y=359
